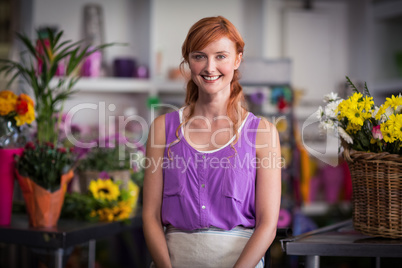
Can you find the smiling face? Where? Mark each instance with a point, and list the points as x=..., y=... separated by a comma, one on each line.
x=212, y=67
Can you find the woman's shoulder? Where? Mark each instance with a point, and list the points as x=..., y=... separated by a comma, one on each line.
x=266, y=132
x=161, y=119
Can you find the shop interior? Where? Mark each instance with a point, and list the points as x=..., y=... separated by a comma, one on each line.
x=297, y=51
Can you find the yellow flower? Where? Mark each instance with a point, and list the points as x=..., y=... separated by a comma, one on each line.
x=356, y=97
x=388, y=129
x=134, y=191
x=7, y=102
x=93, y=214
x=122, y=211
x=368, y=104
x=380, y=112
x=355, y=116
x=104, y=189
x=26, y=118
x=105, y=214
x=353, y=128
x=398, y=127
x=119, y=212
x=343, y=108
x=393, y=102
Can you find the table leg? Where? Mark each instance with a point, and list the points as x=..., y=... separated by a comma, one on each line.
x=59, y=258
x=312, y=261
x=91, y=253
x=377, y=262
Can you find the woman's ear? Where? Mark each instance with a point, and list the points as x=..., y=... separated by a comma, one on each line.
x=238, y=60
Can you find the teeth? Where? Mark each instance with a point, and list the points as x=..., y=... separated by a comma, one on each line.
x=211, y=78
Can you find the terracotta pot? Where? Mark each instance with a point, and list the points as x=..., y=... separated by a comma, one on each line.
x=86, y=176
x=43, y=207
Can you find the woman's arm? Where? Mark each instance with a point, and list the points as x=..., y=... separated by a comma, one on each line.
x=153, y=190
x=268, y=195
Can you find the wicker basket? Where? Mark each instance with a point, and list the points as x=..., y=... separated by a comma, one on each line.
x=377, y=193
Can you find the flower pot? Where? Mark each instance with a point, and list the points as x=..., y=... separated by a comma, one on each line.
x=86, y=176
x=7, y=183
x=43, y=207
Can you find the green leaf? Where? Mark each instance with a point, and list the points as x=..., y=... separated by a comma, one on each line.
x=366, y=90
x=27, y=43
x=352, y=85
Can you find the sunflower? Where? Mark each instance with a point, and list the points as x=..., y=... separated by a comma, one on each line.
x=120, y=212
x=104, y=189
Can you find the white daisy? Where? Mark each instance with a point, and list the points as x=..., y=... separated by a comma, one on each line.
x=331, y=108
x=331, y=97
x=326, y=125
x=345, y=135
x=319, y=113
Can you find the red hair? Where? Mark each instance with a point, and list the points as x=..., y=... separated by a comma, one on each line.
x=200, y=35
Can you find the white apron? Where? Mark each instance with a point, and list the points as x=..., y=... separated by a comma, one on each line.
x=207, y=248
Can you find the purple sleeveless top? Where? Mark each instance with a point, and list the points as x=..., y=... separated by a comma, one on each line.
x=211, y=188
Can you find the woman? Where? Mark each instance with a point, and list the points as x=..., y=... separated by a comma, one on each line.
x=212, y=190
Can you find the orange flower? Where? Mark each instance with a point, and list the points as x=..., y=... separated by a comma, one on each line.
x=25, y=97
x=7, y=102
x=7, y=94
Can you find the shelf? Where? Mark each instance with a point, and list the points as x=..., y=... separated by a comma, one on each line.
x=110, y=85
x=127, y=85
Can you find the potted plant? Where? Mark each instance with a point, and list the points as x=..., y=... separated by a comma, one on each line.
x=40, y=63
x=15, y=113
x=114, y=158
x=371, y=138
x=105, y=200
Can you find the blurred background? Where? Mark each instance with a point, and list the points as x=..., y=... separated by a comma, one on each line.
x=309, y=46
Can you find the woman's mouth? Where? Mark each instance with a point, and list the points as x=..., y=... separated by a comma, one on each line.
x=211, y=78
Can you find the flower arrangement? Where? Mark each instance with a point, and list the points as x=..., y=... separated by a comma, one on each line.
x=106, y=201
x=18, y=109
x=45, y=163
x=361, y=124
x=15, y=111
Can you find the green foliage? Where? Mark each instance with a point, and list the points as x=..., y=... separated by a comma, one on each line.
x=105, y=159
x=78, y=206
x=49, y=97
x=45, y=164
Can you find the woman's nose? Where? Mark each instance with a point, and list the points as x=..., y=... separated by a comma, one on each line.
x=210, y=66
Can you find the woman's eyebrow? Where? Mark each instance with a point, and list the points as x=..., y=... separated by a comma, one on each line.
x=218, y=52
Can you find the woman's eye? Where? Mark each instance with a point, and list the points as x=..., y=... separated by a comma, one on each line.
x=221, y=57
x=198, y=57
